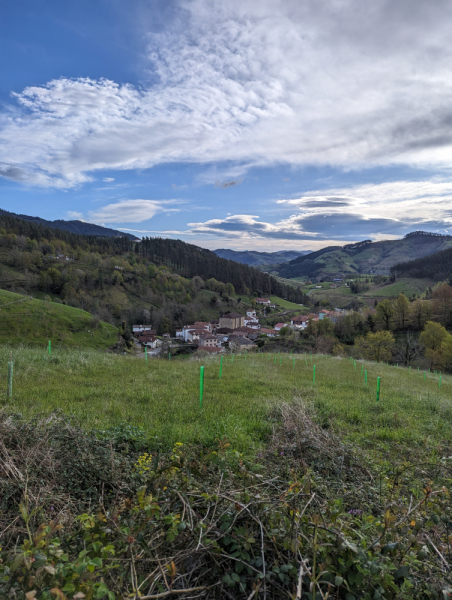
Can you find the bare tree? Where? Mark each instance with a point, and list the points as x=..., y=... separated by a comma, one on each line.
x=409, y=348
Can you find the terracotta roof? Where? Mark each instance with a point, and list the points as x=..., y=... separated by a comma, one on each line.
x=147, y=338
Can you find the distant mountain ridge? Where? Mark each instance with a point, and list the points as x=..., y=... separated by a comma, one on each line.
x=79, y=227
x=365, y=257
x=254, y=258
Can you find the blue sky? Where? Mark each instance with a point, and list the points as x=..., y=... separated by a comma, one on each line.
x=251, y=124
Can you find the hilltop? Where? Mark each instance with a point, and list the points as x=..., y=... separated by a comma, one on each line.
x=255, y=259
x=364, y=257
x=79, y=227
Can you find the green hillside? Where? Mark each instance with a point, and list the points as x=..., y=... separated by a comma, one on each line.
x=363, y=258
x=26, y=320
x=342, y=295
x=158, y=281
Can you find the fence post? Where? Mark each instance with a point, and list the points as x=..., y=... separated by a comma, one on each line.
x=50, y=347
x=378, y=389
x=146, y=353
x=201, y=385
x=9, y=388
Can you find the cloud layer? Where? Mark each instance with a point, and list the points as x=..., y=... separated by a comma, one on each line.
x=386, y=210
x=127, y=211
x=252, y=82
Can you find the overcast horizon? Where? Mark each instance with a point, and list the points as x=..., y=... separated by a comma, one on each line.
x=253, y=125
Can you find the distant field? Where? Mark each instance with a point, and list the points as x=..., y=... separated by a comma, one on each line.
x=33, y=321
x=285, y=303
x=405, y=286
x=162, y=396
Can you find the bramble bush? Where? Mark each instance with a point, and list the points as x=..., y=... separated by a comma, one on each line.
x=307, y=519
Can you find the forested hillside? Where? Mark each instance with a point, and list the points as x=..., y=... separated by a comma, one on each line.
x=166, y=282
x=364, y=257
x=80, y=227
x=436, y=266
x=254, y=259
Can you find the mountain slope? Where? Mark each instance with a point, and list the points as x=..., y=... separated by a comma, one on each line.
x=364, y=257
x=79, y=227
x=436, y=266
x=254, y=259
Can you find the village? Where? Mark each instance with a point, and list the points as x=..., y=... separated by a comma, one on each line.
x=233, y=332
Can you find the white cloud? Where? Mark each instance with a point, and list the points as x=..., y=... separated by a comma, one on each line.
x=108, y=179
x=73, y=214
x=381, y=211
x=130, y=211
x=253, y=82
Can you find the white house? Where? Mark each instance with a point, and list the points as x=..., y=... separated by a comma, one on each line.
x=251, y=314
x=141, y=328
x=264, y=301
x=279, y=326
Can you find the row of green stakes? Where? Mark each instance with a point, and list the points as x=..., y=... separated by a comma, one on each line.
x=409, y=371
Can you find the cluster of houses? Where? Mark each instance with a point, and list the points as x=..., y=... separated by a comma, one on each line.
x=239, y=332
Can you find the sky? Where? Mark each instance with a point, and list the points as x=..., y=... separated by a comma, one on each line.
x=246, y=124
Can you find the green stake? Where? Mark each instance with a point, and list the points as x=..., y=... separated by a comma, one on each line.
x=409, y=370
x=378, y=388
x=365, y=377
x=354, y=364
x=50, y=347
x=313, y=375
x=221, y=367
x=146, y=353
x=9, y=388
x=201, y=385
x=438, y=382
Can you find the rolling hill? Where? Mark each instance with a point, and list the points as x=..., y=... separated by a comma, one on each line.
x=27, y=320
x=255, y=259
x=364, y=257
x=437, y=266
x=79, y=227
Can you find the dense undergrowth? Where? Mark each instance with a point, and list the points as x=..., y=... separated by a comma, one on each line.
x=113, y=514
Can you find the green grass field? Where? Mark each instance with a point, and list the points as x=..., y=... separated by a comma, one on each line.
x=32, y=321
x=406, y=285
x=162, y=396
x=285, y=303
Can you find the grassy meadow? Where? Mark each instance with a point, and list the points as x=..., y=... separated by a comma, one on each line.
x=161, y=396
x=26, y=319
